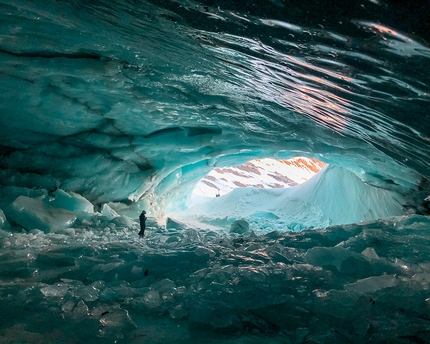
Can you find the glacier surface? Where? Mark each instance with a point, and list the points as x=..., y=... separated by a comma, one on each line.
x=108, y=108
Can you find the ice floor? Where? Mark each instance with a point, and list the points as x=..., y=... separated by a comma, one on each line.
x=359, y=283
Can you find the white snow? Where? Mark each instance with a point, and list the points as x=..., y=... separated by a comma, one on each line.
x=333, y=196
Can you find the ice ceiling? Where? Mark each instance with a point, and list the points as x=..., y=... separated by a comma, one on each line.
x=138, y=100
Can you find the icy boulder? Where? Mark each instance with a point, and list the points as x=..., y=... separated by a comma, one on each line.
x=33, y=213
x=73, y=202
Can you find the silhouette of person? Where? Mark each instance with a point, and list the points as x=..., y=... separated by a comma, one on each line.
x=142, y=219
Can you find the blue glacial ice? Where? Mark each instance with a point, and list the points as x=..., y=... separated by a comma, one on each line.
x=108, y=108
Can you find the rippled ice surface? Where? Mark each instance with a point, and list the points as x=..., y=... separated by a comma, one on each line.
x=359, y=283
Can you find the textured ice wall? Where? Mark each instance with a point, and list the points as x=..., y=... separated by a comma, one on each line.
x=119, y=102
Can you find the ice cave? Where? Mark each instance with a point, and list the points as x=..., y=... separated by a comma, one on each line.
x=109, y=108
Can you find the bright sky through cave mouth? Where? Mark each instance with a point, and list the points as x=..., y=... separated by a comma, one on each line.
x=258, y=173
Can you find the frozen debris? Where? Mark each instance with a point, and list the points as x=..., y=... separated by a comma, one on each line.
x=33, y=213
x=324, y=285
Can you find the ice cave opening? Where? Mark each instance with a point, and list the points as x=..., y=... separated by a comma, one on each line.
x=325, y=195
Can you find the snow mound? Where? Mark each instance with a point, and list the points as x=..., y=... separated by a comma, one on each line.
x=332, y=197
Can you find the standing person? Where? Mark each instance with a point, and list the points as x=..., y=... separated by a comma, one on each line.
x=142, y=219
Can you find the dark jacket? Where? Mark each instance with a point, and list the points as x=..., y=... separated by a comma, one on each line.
x=142, y=219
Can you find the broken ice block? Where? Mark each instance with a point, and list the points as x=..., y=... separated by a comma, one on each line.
x=123, y=221
x=372, y=284
x=370, y=253
x=108, y=212
x=163, y=285
x=56, y=290
x=10, y=193
x=333, y=256
x=175, y=224
x=73, y=202
x=152, y=299
x=33, y=213
x=81, y=310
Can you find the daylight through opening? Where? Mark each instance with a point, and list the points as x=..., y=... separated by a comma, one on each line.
x=258, y=173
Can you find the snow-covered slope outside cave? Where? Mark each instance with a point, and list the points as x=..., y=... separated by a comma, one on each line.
x=111, y=107
x=333, y=196
x=260, y=173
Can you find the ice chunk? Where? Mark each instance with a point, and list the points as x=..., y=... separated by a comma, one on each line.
x=178, y=311
x=81, y=310
x=108, y=212
x=163, y=285
x=337, y=303
x=175, y=224
x=33, y=213
x=123, y=221
x=54, y=260
x=203, y=251
x=239, y=227
x=89, y=292
x=68, y=306
x=56, y=290
x=117, y=319
x=152, y=299
x=338, y=257
x=370, y=253
x=4, y=224
x=73, y=202
x=10, y=193
x=372, y=284
x=133, y=210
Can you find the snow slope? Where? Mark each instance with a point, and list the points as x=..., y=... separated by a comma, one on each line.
x=332, y=197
